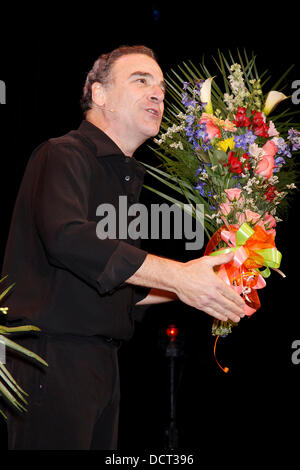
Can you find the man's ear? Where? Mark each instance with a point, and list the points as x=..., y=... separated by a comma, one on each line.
x=98, y=94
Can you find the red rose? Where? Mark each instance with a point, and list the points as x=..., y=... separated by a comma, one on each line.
x=246, y=163
x=262, y=131
x=259, y=126
x=234, y=163
x=241, y=119
x=270, y=193
x=257, y=119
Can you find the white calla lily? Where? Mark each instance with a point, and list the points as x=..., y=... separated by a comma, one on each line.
x=272, y=100
x=205, y=95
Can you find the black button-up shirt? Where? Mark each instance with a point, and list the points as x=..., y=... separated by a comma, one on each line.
x=67, y=279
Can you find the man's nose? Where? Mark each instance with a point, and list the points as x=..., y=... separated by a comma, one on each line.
x=157, y=95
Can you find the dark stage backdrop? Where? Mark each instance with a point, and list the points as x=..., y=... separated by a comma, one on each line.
x=45, y=57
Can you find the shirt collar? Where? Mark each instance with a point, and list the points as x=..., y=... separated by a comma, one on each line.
x=103, y=145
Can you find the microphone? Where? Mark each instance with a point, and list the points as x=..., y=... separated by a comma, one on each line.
x=103, y=107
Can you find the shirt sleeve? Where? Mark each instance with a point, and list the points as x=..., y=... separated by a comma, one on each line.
x=60, y=205
x=139, y=293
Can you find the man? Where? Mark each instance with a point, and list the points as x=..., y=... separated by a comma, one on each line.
x=81, y=290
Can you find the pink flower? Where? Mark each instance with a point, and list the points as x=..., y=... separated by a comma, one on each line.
x=266, y=164
x=212, y=129
x=270, y=148
x=271, y=231
x=269, y=219
x=270, y=222
x=272, y=131
x=252, y=216
x=233, y=194
x=240, y=217
x=265, y=167
x=225, y=208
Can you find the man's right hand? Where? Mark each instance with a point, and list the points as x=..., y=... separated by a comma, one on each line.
x=199, y=286
x=195, y=283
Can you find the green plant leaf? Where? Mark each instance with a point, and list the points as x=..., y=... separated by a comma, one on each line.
x=4, y=330
x=5, y=371
x=12, y=345
x=8, y=395
x=3, y=294
x=11, y=385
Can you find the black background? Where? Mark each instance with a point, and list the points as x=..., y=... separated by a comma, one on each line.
x=45, y=56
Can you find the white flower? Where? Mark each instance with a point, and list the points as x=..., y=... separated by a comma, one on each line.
x=273, y=180
x=229, y=100
x=181, y=116
x=238, y=88
x=255, y=151
x=205, y=95
x=272, y=100
x=177, y=145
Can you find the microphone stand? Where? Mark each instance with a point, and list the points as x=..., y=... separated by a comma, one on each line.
x=173, y=351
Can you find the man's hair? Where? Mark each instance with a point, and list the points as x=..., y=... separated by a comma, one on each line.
x=101, y=71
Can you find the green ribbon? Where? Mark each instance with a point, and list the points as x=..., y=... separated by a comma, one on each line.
x=271, y=256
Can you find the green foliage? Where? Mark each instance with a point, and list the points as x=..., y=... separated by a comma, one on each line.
x=9, y=388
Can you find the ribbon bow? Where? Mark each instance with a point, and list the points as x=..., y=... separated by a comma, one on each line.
x=253, y=249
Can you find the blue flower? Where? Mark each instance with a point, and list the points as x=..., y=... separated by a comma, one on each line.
x=205, y=147
x=187, y=101
x=294, y=138
x=200, y=187
x=196, y=145
x=189, y=132
x=190, y=119
x=198, y=84
x=278, y=161
x=244, y=140
x=283, y=148
x=200, y=132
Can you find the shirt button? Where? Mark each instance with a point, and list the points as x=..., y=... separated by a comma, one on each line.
x=127, y=178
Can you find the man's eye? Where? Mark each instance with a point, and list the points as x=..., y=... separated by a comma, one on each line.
x=141, y=80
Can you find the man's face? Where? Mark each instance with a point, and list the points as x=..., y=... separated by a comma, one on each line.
x=136, y=96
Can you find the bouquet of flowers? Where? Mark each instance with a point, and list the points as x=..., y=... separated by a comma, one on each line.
x=222, y=150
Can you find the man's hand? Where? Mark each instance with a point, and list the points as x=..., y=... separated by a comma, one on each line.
x=195, y=283
x=201, y=288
